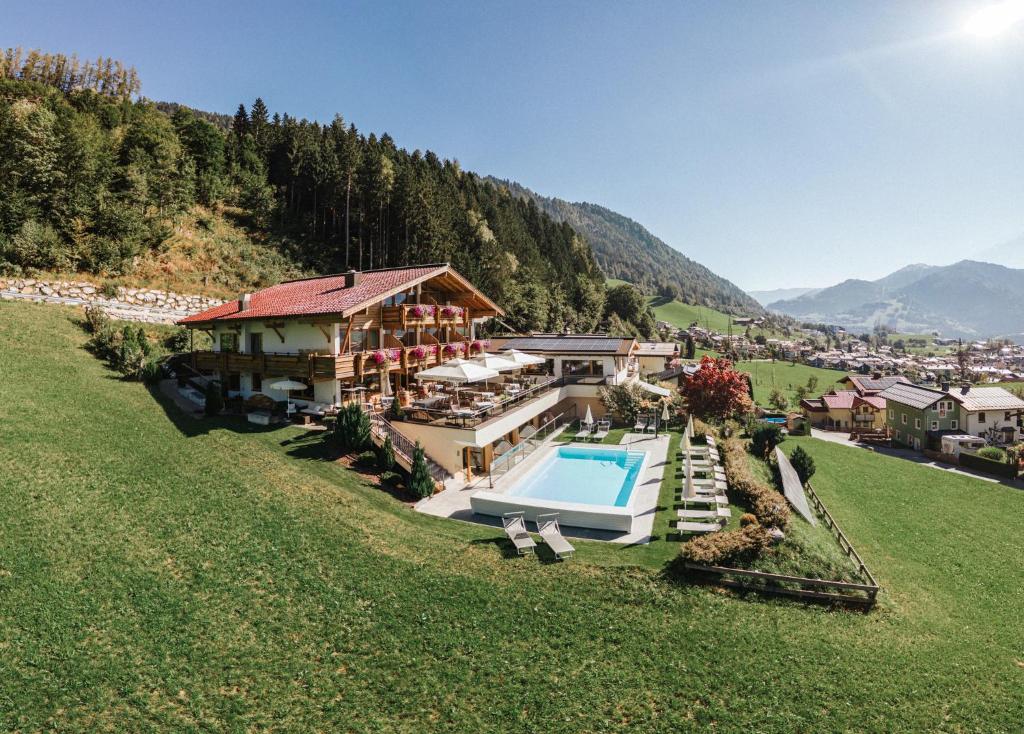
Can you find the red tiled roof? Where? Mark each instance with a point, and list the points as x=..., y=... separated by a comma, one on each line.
x=321, y=296
x=872, y=400
x=840, y=400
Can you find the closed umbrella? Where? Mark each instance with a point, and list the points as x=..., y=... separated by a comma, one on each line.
x=588, y=420
x=287, y=386
x=664, y=418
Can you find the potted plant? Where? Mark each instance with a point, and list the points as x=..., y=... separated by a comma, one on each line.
x=451, y=312
x=421, y=311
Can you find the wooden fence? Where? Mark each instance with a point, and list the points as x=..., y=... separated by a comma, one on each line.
x=862, y=595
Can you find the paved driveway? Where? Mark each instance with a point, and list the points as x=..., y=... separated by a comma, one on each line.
x=843, y=439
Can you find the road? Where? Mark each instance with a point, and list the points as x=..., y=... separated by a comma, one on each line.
x=843, y=439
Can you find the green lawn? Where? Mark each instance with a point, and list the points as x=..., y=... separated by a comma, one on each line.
x=767, y=376
x=161, y=574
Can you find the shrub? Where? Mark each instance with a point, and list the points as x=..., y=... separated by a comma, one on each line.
x=96, y=320
x=178, y=341
x=152, y=371
x=352, y=429
x=214, y=400
x=764, y=439
x=367, y=458
x=395, y=411
x=803, y=464
x=386, y=455
x=764, y=501
x=748, y=518
x=132, y=353
x=421, y=483
x=992, y=452
x=624, y=402
x=728, y=547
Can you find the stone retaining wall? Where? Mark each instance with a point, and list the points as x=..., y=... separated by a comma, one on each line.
x=128, y=304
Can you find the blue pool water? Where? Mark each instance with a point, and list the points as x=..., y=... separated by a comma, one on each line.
x=776, y=421
x=589, y=476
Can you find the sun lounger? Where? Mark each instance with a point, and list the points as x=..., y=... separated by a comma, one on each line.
x=709, y=499
x=515, y=529
x=639, y=426
x=586, y=429
x=719, y=513
x=602, y=430
x=551, y=533
x=698, y=528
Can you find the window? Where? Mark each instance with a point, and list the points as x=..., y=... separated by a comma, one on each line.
x=903, y=418
x=229, y=341
x=257, y=382
x=954, y=424
x=892, y=415
x=1006, y=416
x=898, y=436
x=982, y=417
x=917, y=423
x=234, y=381
x=256, y=343
x=935, y=425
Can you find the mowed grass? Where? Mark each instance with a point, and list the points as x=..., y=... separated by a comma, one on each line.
x=682, y=315
x=787, y=377
x=161, y=574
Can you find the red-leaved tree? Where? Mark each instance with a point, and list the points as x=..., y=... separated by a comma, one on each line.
x=716, y=390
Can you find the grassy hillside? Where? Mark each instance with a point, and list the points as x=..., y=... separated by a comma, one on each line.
x=767, y=376
x=160, y=574
x=683, y=314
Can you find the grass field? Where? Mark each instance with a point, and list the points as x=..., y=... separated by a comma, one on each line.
x=767, y=376
x=682, y=315
x=161, y=574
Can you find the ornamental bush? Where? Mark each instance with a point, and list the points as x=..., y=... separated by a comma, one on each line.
x=352, y=429
x=992, y=452
x=727, y=547
x=421, y=483
x=214, y=400
x=803, y=464
x=764, y=501
x=764, y=439
x=386, y=455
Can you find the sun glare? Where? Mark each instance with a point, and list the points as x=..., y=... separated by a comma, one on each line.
x=995, y=19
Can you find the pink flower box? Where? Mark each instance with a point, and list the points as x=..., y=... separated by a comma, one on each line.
x=451, y=312
x=421, y=310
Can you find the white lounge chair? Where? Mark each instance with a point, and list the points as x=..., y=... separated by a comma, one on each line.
x=716, y=514
x=639, y=425
x=515, y=529
x=602, y=430
x=585, y=430
x=551, y=533
x=698, y=528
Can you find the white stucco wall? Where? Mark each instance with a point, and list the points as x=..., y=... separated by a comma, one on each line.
x=969, y=422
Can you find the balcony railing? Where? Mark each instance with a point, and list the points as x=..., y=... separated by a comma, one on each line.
x=412, y=315
x=316, y=366
x=472, y=417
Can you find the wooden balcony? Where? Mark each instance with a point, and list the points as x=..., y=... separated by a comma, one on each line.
x=313, y=366
x=404, y=317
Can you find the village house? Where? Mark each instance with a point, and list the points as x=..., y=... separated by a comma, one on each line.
x=655, y=357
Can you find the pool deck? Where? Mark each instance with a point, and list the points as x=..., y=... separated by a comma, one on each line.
x=454, y=503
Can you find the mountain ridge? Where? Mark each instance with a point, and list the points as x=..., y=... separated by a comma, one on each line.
x=626, y=250
x=955, y=300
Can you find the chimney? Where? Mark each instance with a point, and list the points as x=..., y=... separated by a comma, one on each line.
x=352, y=278
x=944, y=386
x=965, y=388
x=245, y=302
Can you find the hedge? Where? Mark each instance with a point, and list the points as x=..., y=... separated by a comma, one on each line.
x=767, y=504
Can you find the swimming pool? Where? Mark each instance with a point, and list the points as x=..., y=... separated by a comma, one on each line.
x=588, y=486
x=583, y=474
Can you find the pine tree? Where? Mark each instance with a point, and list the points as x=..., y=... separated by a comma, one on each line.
x=803, y=463
x=421, y=484
x=386, y=455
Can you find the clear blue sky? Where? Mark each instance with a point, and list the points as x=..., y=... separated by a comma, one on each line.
x=781, y=144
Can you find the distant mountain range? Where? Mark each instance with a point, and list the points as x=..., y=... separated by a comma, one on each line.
x=1010, y=254
x=968, y=299
x=626, y=250
x=780, y=294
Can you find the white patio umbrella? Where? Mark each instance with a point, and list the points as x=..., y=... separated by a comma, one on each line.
x=496, y=362
x=588, y=419
x=664, y=418
x=458, y=370
x=522, y=358
x=286, y=386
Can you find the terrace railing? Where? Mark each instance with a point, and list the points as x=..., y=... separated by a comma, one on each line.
x=381, y=428
x=518, y=453
x=473, y=418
